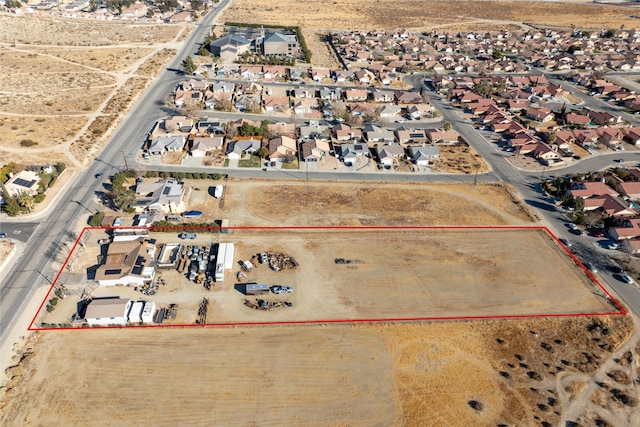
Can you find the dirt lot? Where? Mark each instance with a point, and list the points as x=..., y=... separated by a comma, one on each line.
x=328, y=203
x=425, y=14
x=391, y=274
x=67, y=74
x=5, y=249
x=438, y=374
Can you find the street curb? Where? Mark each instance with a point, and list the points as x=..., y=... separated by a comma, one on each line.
x=9, y=259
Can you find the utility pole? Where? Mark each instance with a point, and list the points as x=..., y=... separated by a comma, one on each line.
x=126, y=165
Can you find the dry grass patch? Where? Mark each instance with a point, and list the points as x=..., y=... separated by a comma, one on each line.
x=6, y=247
x=48, y=131
x=323, y=203
x=435, y=374
x=108, y=59
x=126, y=95
x=152, y=66
x=47, y=30
x=349, y=14
x=77, y=101
x=460, y=159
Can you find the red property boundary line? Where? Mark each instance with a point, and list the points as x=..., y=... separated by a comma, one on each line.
x=620, y=309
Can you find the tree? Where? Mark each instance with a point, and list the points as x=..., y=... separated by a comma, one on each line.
x=447, y=126
x=263, y=152
x=551, y=137
x=188, y=65
x=197, y=4
x=123, y=197
x=96, y=219
x=203, y=51
x=10, y=206
x=25, y=200
x=483, y=88
x=149, y=13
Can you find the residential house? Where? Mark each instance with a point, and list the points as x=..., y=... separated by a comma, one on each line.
x=417, y=111
x=438, y=136
x=315, y=150
x=166, y=195
x=230, y=47
x=275, y=103
x=405, y=136
x=305, y=106
x=539, y=114
x=587, y=189
x=107, y=311
x=278, y=44
x=163, y=144
x=633, y=135
x=388, y=153
x=377, y=134
x=350, y=153
x=629, y=229
x=408, y=97
x=604, y=118
x=631, y=189
x=317, y=74
x=353, y=95
x=610, y=205
x=23, y=182
x=128, y=263
x=241, y=145
x=382, y=95
x=423, y=155
x=330, y=93
x=577, y=119
x=202, y=146
x=344, y=132
x=282, y=148
x=390, y=111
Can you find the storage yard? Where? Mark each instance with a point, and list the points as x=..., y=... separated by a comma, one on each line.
x=359, y=275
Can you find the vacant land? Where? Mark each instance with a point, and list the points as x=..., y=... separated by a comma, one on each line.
x=425, y=14
x=342, y=203
x=391, y=274
x=439, y=374
x=65, y=78
x=5, y=249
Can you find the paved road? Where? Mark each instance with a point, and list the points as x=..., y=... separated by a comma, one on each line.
x=45, y=240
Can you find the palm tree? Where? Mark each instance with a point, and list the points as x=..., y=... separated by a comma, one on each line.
x=25, y=200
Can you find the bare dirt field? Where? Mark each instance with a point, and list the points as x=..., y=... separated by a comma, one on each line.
x=5, y=249
x=329, y=203
x=525, y=373
x=71, y=75
x=425, y=14
x=392, y=274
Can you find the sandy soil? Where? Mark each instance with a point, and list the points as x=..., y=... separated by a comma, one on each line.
x=384, y=374
x=5, y=249
x=91, y=73
x=328, y=203
x=428, y=14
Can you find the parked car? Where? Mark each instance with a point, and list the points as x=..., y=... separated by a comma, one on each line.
x=598, y=233
x=98, y=175
x=591, y=267
x=263, y=258
x=613, y=246
x=626, y=278
x=281, y=289
x=187, y=235
x=565, y=242
x=572, y=226
x=3, y=235
x=577, y=232
x=192, y=214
